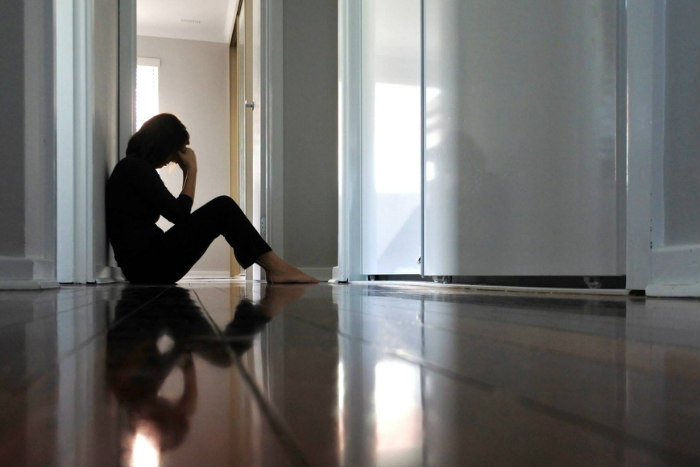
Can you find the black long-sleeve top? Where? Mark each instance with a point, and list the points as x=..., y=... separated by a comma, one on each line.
x=136, y=197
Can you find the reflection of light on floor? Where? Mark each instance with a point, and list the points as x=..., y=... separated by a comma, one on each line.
x=144, y=452
x=398, y=412
x=341, y=410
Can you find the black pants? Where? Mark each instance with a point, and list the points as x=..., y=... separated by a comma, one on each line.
x=171, y=256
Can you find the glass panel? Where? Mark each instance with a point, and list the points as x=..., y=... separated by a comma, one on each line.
x=520, y=137
x=391, y=136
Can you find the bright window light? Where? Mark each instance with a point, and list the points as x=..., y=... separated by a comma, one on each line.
x=146, y=89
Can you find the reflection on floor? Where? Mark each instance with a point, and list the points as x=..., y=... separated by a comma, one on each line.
x=247, y=374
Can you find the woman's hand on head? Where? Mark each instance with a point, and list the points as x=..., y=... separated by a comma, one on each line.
x=186, y=159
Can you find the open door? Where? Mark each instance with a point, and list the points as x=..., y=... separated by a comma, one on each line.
x=242, y=108
x=237, y=181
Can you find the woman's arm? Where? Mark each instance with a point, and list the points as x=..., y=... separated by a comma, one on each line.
x=187, y=160
x=152, y=193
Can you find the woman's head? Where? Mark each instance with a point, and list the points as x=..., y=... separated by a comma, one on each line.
x=158, y=139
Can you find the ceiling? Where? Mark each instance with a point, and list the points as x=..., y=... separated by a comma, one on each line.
x=209, y=20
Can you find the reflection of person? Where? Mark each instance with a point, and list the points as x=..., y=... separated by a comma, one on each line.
x=250, y=318
x=144, y=348
x=137, y=197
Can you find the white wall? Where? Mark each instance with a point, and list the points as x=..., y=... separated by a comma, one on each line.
x=27, y=233
x=12, y=129
x=194, y=85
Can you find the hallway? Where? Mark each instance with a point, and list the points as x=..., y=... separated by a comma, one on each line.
x=241, y=373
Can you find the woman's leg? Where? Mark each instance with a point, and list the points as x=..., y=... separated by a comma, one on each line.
x=249, y=247
x=279, y=271
x=183, y=244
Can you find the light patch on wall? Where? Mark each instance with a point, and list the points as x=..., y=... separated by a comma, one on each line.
x=433, y=137
x=397, y=138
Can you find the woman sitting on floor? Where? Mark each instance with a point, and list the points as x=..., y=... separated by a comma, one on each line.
x=137, y=197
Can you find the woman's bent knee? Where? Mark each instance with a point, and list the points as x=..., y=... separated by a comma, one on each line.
x=224, y=201
x=223, y=205
x=220, y=203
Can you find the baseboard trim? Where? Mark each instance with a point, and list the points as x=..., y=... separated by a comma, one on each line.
x=673, y=290
x=16, y=269
x=26, y=274
x=27, y=284
x=208, y=275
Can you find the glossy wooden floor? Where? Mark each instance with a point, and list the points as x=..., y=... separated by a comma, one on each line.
x=246, y=374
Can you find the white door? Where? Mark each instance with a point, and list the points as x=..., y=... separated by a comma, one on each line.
x=521, y=173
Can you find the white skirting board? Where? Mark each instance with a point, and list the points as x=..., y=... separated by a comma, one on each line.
x=26, y=274
x=322, y=274
x=27, y=285
x=226, y=274
x=675, y=272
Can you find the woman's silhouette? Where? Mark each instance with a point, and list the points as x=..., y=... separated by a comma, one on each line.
x=137, y=197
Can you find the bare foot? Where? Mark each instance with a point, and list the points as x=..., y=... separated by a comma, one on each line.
x=278, y=271
x=290, y=276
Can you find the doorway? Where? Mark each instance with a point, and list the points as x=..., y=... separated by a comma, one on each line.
x=83, y=254
x=192, y=46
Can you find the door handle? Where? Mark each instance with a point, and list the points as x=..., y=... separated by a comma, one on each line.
x=250, y=105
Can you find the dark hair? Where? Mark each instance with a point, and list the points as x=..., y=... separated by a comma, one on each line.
x=158, y=139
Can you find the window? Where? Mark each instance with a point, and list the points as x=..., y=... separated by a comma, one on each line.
x=146, y=89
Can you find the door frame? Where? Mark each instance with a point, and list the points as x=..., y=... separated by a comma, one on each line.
x=76, y=260
x=272, y=82
x=267, y=173
x=74, y=152
x=349, y=142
